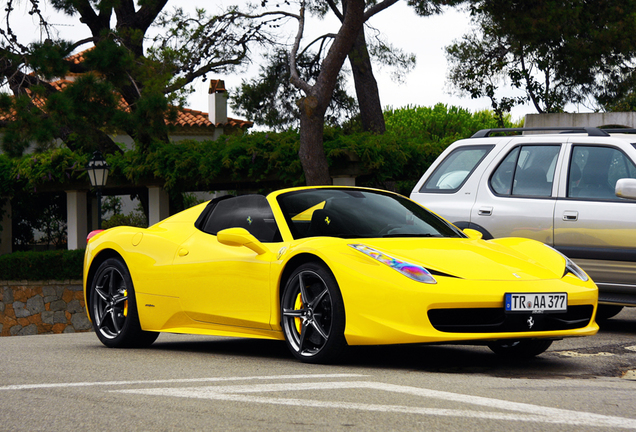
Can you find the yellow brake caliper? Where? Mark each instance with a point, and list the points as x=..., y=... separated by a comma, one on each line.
x=126, y=304
x=298, y=305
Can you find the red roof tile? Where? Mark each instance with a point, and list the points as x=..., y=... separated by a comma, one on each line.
x=79, y=57
x=190, y=117
x=185, y=117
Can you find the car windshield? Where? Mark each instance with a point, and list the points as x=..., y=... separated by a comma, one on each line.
x=359, y=213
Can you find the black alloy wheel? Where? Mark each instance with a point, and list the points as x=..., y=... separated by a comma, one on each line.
x=313, y=316
x=113, y=309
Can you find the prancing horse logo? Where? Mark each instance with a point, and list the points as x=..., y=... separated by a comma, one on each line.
x=530, y=322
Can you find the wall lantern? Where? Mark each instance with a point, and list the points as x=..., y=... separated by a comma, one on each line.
x=97, y=169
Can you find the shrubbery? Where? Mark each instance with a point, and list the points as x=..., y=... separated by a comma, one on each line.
x=415, y=136
x=49, y=265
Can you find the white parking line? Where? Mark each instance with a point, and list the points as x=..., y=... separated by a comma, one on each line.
x=173, y=381
x=527, y=412
x=244, y=393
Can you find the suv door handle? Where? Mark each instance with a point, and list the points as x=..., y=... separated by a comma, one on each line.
x=570, y=215
x=485, y=211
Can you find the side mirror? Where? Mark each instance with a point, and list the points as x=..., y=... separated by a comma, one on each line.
x=473, y=234
x=240, y=237
x=626, y=188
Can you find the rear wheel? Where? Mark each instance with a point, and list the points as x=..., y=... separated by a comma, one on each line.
x=524, y=348
x=313, y=316
x=113, y=309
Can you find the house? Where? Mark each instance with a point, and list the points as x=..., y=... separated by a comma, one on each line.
x=189, y=124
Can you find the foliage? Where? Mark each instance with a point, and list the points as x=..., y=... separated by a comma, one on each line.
x=57, y=166
x=554, y=52
x=135, y=219
x=111, y=204
x=120, y=83
x=39, y=220
x=270, y=99
x=441, y=123
x=414, y=138
x=49, y=265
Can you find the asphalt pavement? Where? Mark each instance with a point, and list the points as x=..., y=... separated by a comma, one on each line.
x=70, y=382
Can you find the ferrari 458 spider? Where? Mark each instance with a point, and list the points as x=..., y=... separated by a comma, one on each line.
x=328, y=267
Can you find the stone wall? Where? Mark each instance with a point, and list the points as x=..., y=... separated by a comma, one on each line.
x=30, y=307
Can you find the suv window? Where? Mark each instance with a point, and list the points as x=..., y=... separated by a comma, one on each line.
x=251, y=212
x=451, y=174
x=594, y=171
x=527, y=170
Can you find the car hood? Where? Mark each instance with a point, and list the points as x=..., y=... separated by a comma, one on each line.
x=497, y=260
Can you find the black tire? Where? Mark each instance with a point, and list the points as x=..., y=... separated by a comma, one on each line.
x=605, y=311
x=113, y=308
x=313, y=315
x=519, y=349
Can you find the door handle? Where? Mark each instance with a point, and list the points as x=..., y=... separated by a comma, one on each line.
x=570, y=216
x=485, y=211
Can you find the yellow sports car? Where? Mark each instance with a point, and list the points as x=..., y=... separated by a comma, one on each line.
x=328, y=267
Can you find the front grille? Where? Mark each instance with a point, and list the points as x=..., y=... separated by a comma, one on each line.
x=495, y=320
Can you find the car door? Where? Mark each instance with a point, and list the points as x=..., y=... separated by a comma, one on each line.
x=592, y=225
x=224, y=284
x=450, y=185
x=517, y=193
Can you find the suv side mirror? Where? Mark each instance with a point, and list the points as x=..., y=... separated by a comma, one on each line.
x=626, y=188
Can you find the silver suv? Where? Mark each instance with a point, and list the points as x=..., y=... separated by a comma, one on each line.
x=558, y=188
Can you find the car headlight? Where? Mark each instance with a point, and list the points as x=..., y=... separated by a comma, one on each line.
x=413, y=271
x=571, y=267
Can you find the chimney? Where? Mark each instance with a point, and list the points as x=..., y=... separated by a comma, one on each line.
x=217, y=100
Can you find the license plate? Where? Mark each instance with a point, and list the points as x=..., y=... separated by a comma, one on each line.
x=536, y=302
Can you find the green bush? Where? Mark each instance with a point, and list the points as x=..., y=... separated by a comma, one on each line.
x=49, y=265
x=415, y=136
x=440, y=123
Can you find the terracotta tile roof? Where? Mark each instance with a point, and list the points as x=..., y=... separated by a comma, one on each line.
x=186, y=117
x=190, y=117
x=79, y=57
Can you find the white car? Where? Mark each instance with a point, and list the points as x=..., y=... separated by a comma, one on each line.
x=559, y=188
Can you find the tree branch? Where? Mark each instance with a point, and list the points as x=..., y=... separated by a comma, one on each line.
x=379, y=7
x=335, y=10
x=293, y=67
x=319, y=38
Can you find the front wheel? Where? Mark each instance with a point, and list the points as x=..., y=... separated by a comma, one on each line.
x=524, y=348
x=113, y=309
x=313, y=315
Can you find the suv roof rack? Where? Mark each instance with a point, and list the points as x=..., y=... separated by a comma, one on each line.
x=591, y=131
x=620, y=130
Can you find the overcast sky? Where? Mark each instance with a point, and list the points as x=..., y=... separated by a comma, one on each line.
x=425, y=37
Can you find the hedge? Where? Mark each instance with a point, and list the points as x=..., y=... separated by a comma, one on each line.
x=48, y=265
x=414, y=138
